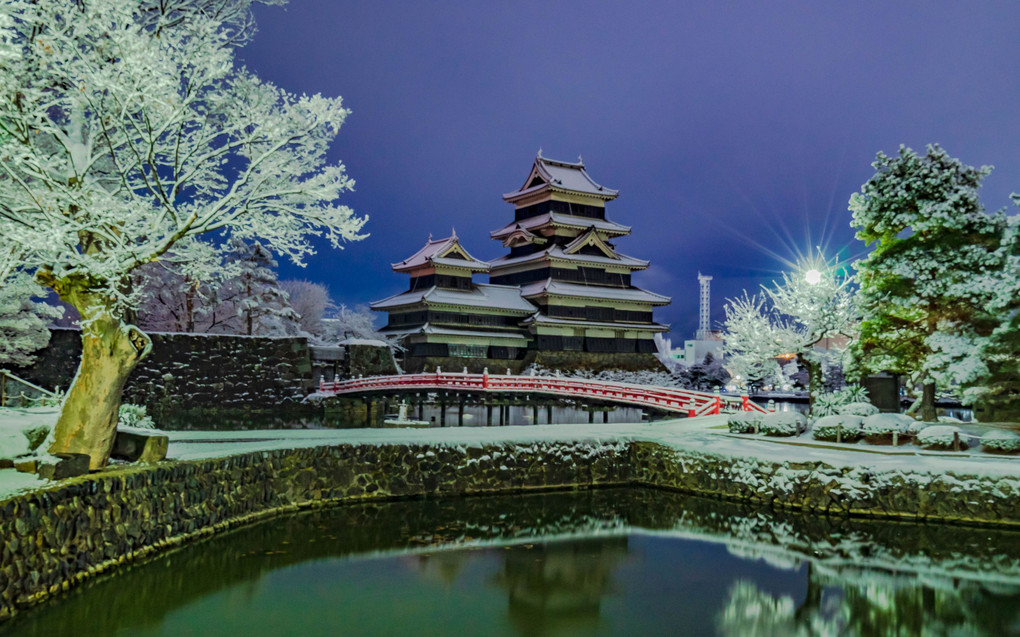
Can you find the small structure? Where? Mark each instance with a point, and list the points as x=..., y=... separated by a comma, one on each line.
x=706, y=341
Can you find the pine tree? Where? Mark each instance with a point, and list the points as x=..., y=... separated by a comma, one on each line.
x=260, y=302
x=925, y=286
x=23, y=322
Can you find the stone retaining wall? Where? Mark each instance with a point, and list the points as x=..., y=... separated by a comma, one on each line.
x=57, y=537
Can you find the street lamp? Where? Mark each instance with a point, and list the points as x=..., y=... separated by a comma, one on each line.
x=813, y=276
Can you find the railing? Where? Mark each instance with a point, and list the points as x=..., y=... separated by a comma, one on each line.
x=20, y=392
x=693, y=403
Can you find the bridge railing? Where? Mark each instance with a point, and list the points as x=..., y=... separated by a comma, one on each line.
x=694, y=403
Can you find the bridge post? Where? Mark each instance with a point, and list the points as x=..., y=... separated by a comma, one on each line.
x=421, y=408
x=460, y=411
x=605, y=416
x=591, y=414
x=485, y=383
x=501, y=421
x=548, y=414
x=744, y=400
x=534, y=413
x=717, y=408
x=772, y=405
x=442, y=412
x=488, y=415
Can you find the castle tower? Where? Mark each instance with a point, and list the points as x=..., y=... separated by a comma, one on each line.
x=561, y=254
x=445, y=314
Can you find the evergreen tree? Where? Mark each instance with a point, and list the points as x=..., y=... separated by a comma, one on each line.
x=23, y=322
x=999, y=385
x=260, y=302
x=925, y=286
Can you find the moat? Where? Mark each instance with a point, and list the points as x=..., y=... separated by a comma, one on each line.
x=609, y=561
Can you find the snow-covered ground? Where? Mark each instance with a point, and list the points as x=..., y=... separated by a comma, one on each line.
x=705, y=435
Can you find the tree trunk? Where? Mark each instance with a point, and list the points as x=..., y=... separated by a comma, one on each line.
x=88, y=419
x=815, y=381
x=928, y=413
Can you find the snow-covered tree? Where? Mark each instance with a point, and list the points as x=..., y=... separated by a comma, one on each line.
x=311, y=301
x=257, y=297
x=997, y=382
x=176, y=296
x=23, y=321
x=127, y=130
x=755, y=336
x=926, y=286
x=356, y=323
x=793, y=316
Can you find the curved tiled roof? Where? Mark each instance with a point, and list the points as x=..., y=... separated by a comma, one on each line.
x=563, y=176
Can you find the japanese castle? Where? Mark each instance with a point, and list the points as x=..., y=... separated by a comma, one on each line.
x=562, y=296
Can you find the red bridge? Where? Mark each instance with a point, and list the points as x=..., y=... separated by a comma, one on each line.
x=691, y=403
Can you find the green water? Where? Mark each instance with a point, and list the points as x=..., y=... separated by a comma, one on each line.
x=609, y=562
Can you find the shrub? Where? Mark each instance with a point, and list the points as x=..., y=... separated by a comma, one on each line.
x=782, y=423
x=886, y=424
x=938, y=436
x=845, y=428
x=134, y=416
x=854, y=394
x=1000, y=441
x=917, y=427
x=743, y=422
x=826, y=404
x=857, y=409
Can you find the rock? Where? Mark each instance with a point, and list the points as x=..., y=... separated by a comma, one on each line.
x=6, y=463
x=27, y=466
x=68, y=465
x=36, y=436
x=140, y=447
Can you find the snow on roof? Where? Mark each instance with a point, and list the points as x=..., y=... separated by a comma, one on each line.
x=541, y=319
x=559, y=288
x=606, y=226
x=438, y=252
x=428, y=328
x=556, y=253
x=562, y=176
x=496, y=297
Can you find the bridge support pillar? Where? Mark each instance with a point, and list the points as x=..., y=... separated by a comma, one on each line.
x=605, y=416
x=548, y=414
x=488, y=415
x=442, y=412
x=421, y=408
x=534, y=414
x=460, y=412
x=591, y=415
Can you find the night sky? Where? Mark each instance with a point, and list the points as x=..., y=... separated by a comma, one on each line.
x=735, y=131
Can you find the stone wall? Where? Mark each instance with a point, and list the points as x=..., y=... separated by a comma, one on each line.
x=60, y=536
x=188, y=371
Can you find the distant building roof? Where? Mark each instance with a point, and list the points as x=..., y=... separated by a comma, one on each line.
x=558, y=288
x=482, y=295
x=446, y=252
x=562, y=176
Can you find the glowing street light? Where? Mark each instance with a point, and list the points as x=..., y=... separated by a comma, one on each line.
x=813, y=276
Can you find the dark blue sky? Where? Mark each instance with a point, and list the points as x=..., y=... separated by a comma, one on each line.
x=735, y=131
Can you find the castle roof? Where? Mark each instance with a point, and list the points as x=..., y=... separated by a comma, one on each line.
x=482, y=295
x=447, y=252
x=560, y=176
x=550, y=287
x=605, y=226
x=556, y=253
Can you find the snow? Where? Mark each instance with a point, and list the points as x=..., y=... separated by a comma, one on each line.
x=938, y=435
x=15, y=422
x=857, y=409
x=847, y=427
x=883, y=424
x=577, y=290
x=372, y=342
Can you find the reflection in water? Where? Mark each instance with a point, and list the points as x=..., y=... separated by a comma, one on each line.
x=619, y=562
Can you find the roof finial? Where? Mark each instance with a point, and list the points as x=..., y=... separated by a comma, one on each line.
x=579, y=160
x=430, y=236
x=454, y=230
x=540, y=152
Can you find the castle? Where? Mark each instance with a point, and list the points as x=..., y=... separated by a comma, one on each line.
x=562, y=296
